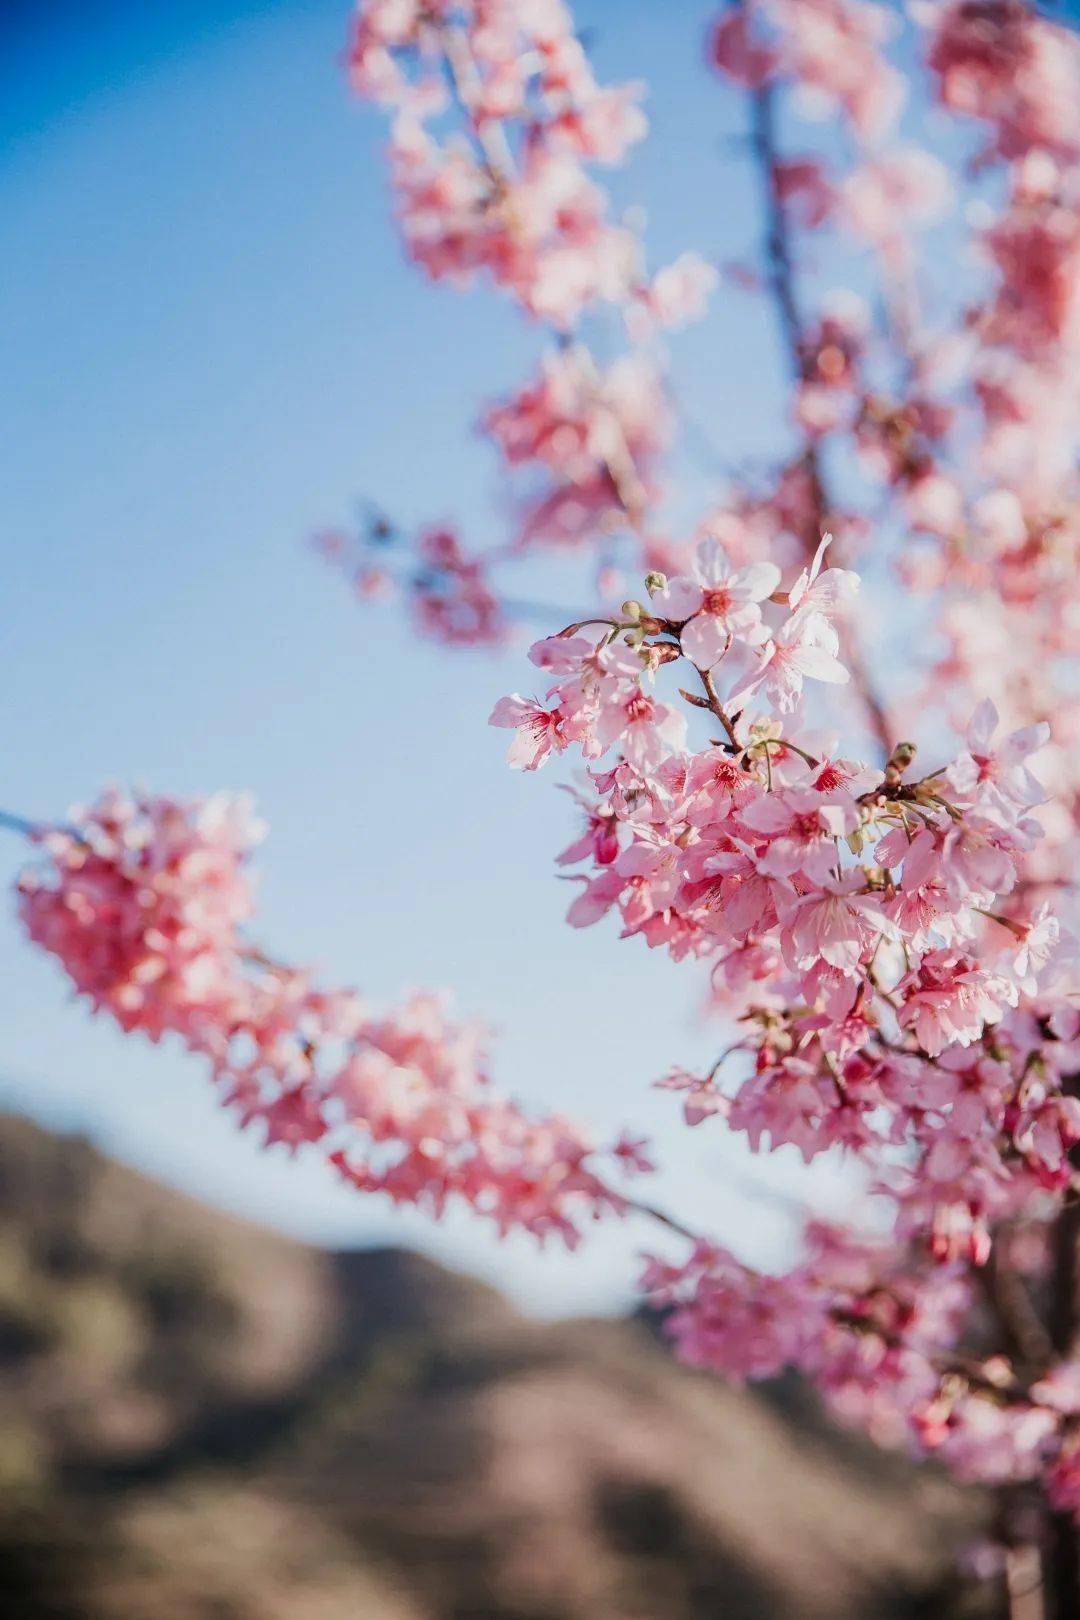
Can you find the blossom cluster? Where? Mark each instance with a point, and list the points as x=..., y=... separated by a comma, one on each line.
x=831, y=48
x=961, y=408
x=888, y=941
x=593, y=434
x=143, y=900
x=497, y=119
x=866, y=1323
x=866, y=928
x=497, y=127
x=869, y=1325
x=449, y=591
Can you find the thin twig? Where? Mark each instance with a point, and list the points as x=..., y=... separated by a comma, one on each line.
x=653, y=1213
x=17, y=824
x=782, y=284
x=497, y=158
x=717, y=708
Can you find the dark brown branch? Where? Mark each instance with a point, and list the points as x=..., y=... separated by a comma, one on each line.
x=784, y=288
x=717, y=708
x=1023, y=1330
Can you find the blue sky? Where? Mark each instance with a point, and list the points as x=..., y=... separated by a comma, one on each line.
x=211, y=347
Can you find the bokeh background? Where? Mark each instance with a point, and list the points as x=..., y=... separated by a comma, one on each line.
x=212, y=348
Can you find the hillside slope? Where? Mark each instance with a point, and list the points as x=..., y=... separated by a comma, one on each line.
x=206, y=1421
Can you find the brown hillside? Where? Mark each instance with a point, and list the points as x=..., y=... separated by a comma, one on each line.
x=206, y=1421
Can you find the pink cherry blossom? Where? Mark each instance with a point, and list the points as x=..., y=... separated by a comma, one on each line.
x=802, y=826
x=717, y=602
x=837, y=924
x=143, y=901
x=538, y=730
x=677, y=295
x=794, y=655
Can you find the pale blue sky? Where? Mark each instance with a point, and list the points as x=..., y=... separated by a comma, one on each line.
x=211, y=346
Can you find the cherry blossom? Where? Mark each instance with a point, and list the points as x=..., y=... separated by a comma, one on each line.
x=537, y=730
x=799, y=651
x=143, y=900
x=717, y=603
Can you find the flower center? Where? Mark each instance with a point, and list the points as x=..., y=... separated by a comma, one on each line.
x=717, y=601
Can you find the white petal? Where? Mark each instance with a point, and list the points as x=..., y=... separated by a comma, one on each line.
x=713, y=566
x=679, y=598
x=757, y=582
x=819, y=665
x=705, y=640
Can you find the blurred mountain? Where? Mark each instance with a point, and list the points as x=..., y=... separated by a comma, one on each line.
x=205, y=1421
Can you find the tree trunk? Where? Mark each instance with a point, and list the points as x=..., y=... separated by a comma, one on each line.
x=1061, y=1543
x=1061, y=1565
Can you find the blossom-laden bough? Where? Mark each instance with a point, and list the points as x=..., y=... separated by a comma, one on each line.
x=899, y=993
x=889, y=941
x=144, y=900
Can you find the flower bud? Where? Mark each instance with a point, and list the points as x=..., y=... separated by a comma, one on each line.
x=655, y=582
x=899, y=760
